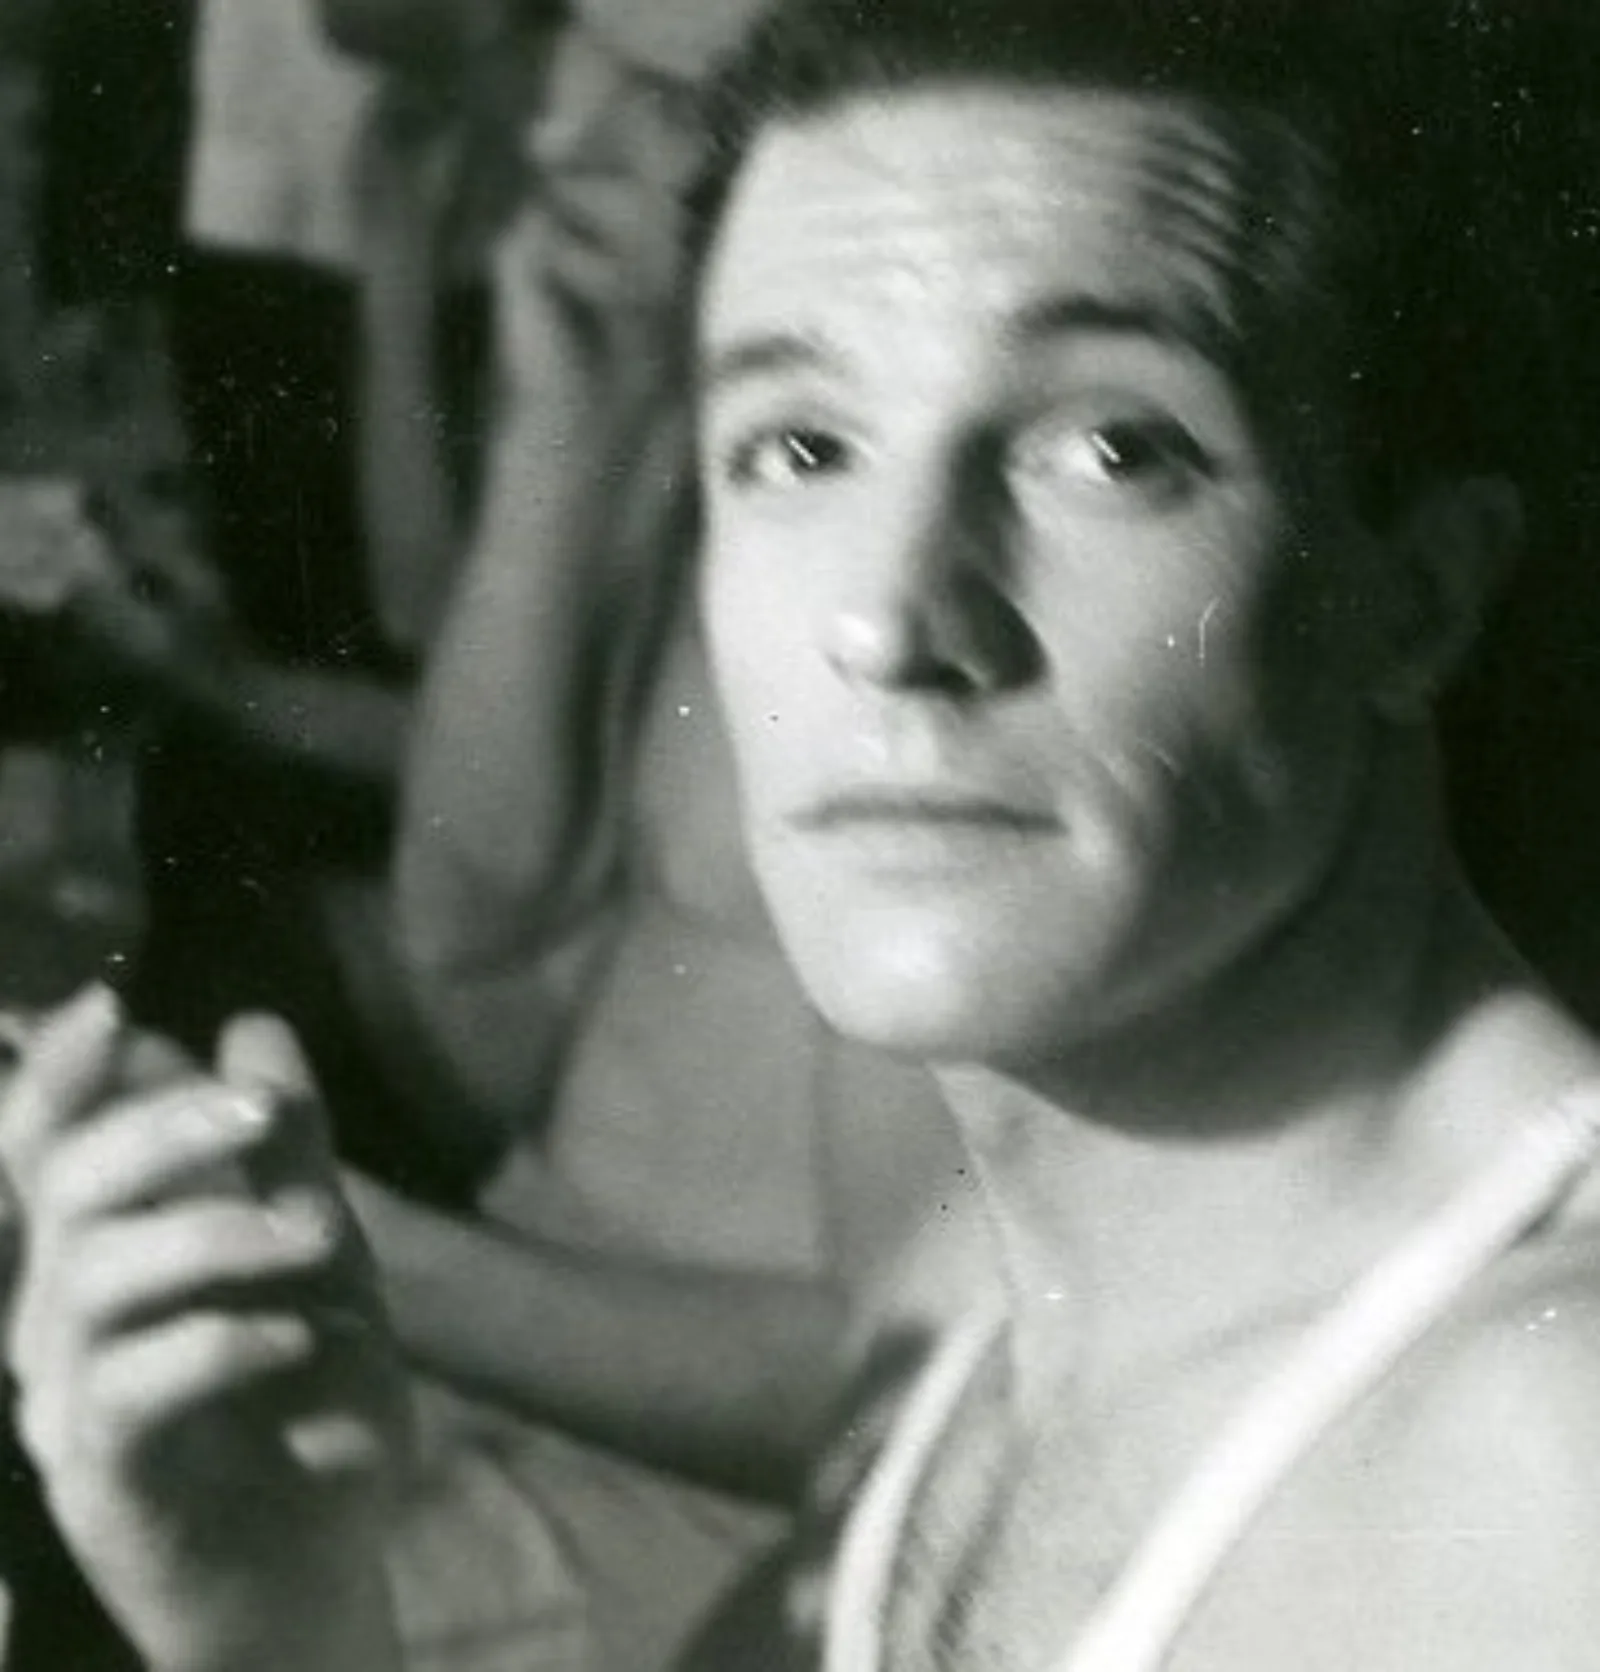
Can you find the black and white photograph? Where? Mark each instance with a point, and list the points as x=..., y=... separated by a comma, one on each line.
x=799, y=836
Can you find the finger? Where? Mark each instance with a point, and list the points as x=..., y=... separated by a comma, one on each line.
x=140, y=1391
x=146, y=1149
x=70, y=1065
x=124, y=1275
x=149, y=1060
x=262, y=1051
x=355, y=1416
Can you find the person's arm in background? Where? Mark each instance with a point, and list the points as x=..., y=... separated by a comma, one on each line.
x=725, y=1376
x=510, y=853
x=440, y=174
x=344, y=725
x=348, y=725
x=718, y=1375
x=136, y=612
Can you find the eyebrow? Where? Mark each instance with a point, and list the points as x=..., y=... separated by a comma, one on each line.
x=1197, y=329
x=754, y=357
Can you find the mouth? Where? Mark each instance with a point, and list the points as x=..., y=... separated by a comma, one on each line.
x=914, y=837
x=890, y=809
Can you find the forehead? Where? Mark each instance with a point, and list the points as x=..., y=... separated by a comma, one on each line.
x=941, y=206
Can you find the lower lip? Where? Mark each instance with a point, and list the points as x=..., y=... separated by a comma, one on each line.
x=914, y=847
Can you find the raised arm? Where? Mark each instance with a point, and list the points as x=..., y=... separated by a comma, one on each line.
x=510, y=849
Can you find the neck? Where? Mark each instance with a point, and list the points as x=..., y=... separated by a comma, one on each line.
x=1262, y=1141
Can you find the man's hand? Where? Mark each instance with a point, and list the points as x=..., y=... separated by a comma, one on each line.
x=204, y=1379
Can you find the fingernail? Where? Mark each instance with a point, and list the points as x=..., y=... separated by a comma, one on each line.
x=335, y=1443
x=247, y=1114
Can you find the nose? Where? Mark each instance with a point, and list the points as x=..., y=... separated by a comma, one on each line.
x=933, y=609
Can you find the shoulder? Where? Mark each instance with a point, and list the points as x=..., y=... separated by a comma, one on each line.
x=1453, y=1517
x=1526, y=1336
x=1526, y=1346
x=1486, y=1443
x=1493, y=1418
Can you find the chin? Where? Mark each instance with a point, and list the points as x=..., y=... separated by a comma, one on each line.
x=925, y=1001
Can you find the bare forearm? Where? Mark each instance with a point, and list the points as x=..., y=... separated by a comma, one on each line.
x=498, y=772
x=723, y=1377
x=508, y=775
x=344, y=724
x=504, y=858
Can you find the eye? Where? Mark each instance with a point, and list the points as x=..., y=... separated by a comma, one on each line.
x=1152, y=462
x=785, y=457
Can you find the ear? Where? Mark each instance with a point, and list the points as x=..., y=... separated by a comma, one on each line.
x=1448, y=555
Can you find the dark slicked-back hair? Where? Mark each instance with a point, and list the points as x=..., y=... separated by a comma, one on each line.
x=1423, y=118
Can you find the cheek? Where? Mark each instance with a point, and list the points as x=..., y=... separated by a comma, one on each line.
x=1155, y=645
x=1308, y=646
x=1271, y=744
x=1226, y=625
x=1214, y=719
x=753, y=655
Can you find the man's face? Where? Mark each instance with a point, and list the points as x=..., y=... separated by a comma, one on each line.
x=1046, y=686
